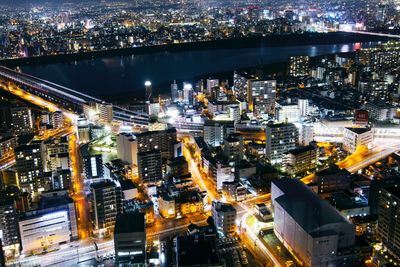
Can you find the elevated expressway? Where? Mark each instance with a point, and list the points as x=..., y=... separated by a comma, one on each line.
x=67, y=98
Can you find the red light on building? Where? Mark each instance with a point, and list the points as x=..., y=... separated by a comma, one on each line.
x=361, y=117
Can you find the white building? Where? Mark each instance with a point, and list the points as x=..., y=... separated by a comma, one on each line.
x=224, y=216
x=309, y=226
x=281, y=138
x=44, y=232
x=234, y=113
x=57, y=119
x=224, y=174
x=216, y=131
x=211, y=83
x=127, y=148
x=105, y=112
x=355, y=137
x=287, y=112
x=303, y=106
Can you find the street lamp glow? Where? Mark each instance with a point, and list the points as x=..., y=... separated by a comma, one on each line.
x=147, y=83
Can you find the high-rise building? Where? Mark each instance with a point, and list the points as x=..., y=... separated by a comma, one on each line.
x=21, y=120
x=9, y=225
x=148, y=91
x=106, y=203
x=174, y=92
x=211, y=83
x=28, y=159
x=389, y=211
x=187, y=93
x=261, y=95
x=216, y=131
x=303, y=106
x=224, y=216
x=233, y=148
x=105, y=112
x=281, y=138
x=150, y=166
x=130, y=239
x=310, y=227
x=161, y=140
x=299, y=66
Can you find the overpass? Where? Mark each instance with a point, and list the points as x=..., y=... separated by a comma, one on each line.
x=68, y=98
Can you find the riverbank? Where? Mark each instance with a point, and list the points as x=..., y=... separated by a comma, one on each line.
x=249, y=42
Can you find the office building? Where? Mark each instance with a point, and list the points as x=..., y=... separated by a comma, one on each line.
x=224, y=216
x=389, y=211
x=354, y=138
x=44, y=232
x=216, y=131
x=52, y=224
x=177, y=167
x=300, y=160
x=150, y=166
x=281, y=138
x=21, y=120
x=130, y=239
x=106, y=203
x=309, y=227
x=299, y=66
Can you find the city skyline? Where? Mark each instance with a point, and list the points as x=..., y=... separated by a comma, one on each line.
x=199, y=133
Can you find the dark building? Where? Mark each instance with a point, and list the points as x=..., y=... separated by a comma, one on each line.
x=150, y=166
x=332, y=179
x=8, y=222
x=177, y=166
x=375, y=187
x=30, y=168
x=388, y=222
x=130, y=239
x=161, y=140
x=92, y=164
x=196, y=250
x=106, y=203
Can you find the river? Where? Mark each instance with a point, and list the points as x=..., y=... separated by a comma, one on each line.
x=127, y=74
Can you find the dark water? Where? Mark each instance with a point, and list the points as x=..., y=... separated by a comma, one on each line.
x=116, y=75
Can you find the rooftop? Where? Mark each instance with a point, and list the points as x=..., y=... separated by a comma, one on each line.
x=358, y=130
x=130, y=223
x=305, y=207
x=301, y=150
x=196, y=251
